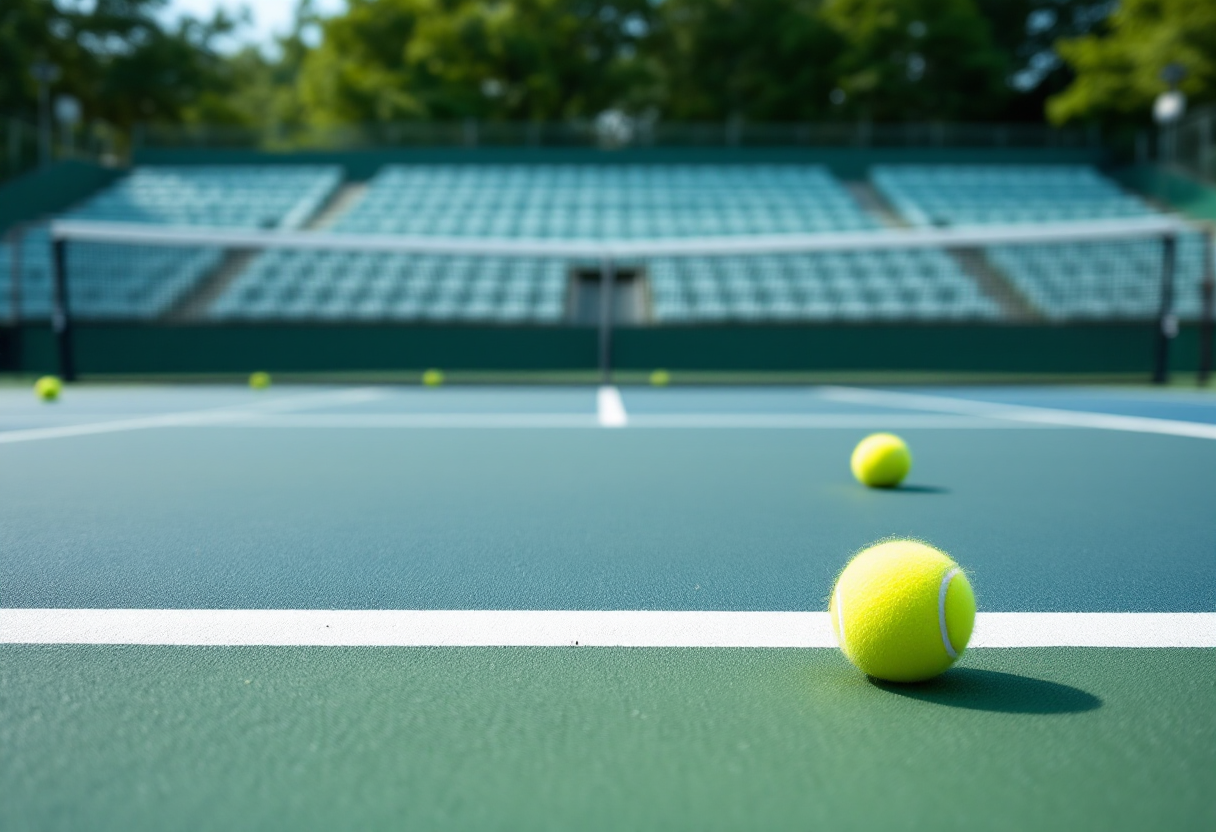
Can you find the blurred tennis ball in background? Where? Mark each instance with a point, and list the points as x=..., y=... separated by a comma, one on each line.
x=902, y=611
x=432, y=378
x=259, y=380
x=881, y=460
x=660, y=378
x=48, y=388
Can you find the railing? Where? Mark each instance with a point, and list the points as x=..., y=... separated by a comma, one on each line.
x=617, y=130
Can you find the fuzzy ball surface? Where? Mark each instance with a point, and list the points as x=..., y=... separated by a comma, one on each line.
x=881, y=460
x=259, y=380
x=902, y=611
x=432, y=378
x=48, y=388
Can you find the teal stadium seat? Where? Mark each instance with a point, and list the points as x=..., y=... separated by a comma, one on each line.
x=131, y=282
x=1116, y=280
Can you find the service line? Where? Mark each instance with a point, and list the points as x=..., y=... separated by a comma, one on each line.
x=564, y=628
x=1019, y=413
x=198, y=418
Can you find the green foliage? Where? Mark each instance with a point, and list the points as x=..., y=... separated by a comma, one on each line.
x=387, y=60
x=1118, y=71
x=764, y=60
x=115, y=56
x=917, y=60
x=384, y=61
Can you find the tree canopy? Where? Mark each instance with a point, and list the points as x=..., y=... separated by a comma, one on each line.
x=115, y=56
x=1119, y=69
x=383, y=61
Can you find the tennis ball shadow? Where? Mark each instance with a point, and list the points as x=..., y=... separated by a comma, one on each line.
x=991, y=690
x=919, y=489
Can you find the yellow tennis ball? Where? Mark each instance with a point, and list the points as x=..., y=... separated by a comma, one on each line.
x=432, y=378
x=881, y=460
x=902, y=611
x=259, y=380
x=47, y=388
x=660, y=378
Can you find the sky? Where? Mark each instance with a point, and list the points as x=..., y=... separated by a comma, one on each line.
x=269, y=17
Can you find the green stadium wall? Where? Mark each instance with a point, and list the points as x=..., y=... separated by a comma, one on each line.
x=51, y=190
x=1184, y=193
x=116, y=349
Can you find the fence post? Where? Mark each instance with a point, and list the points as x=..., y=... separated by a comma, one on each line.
x=1207, y=320
x=1167, y=322
x=61, y=318
x=607, y=278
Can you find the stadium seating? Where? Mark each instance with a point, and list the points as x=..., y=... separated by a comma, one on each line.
x=603, y=202
x=1121, y=279
x=130, y=282
x=921, y=284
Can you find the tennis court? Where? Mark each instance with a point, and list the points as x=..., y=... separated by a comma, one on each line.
x=578, y=607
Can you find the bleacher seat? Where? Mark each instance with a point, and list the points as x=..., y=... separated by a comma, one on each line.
x=603, y=202
x=131, y=282
x=1120, y=279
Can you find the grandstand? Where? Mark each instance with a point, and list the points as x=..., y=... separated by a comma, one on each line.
x=1057, y=282
x=611, y=202
x=131, y=282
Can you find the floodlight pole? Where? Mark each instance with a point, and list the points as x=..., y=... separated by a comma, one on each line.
x=607, y=277
x=45, y=73
x=61, y=319
x=1167, y=321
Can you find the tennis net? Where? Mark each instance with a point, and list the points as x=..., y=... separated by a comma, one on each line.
x=1154, y=269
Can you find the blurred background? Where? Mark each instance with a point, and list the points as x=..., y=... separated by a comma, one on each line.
x=95, y=95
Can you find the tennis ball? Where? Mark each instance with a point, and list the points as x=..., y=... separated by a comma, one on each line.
x=902, y=611
x=660, y=378
x=259, y=380
x=47, y=388
x=432, y=378
x=881, y=460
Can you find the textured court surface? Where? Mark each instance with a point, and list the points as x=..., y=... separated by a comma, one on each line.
x=209, y=498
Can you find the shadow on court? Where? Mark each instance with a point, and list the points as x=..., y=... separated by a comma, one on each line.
x=919, y=489
x=990, y=690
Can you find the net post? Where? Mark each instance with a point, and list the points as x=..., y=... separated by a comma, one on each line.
x=1207, y=321
x=607, y=278
x=61, y=318
x=1167, y=323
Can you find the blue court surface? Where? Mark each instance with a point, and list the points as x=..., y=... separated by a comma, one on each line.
x=354, y=607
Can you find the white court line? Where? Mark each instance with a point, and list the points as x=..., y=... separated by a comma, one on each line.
x=411, y=420
x=210, y=416
x=1020, y=413
x=559, y=628
x=808, y=421
x=609, y=408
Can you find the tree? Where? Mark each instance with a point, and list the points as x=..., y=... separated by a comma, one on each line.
x=1026, y=32
x=763, y=60
x=386, y=60
x=917, y=60
x=116, y=57
x=1118, y=70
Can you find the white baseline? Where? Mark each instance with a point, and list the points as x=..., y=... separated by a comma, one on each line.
x=561, y=628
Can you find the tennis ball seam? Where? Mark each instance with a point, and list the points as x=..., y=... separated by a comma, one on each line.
x=941, y=611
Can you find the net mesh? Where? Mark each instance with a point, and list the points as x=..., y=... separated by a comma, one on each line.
x=1104, y=271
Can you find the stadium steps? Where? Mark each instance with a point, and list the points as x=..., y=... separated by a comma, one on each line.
x=194, y=305
x=875, y=204
x=992, y=281
x=342, y=200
